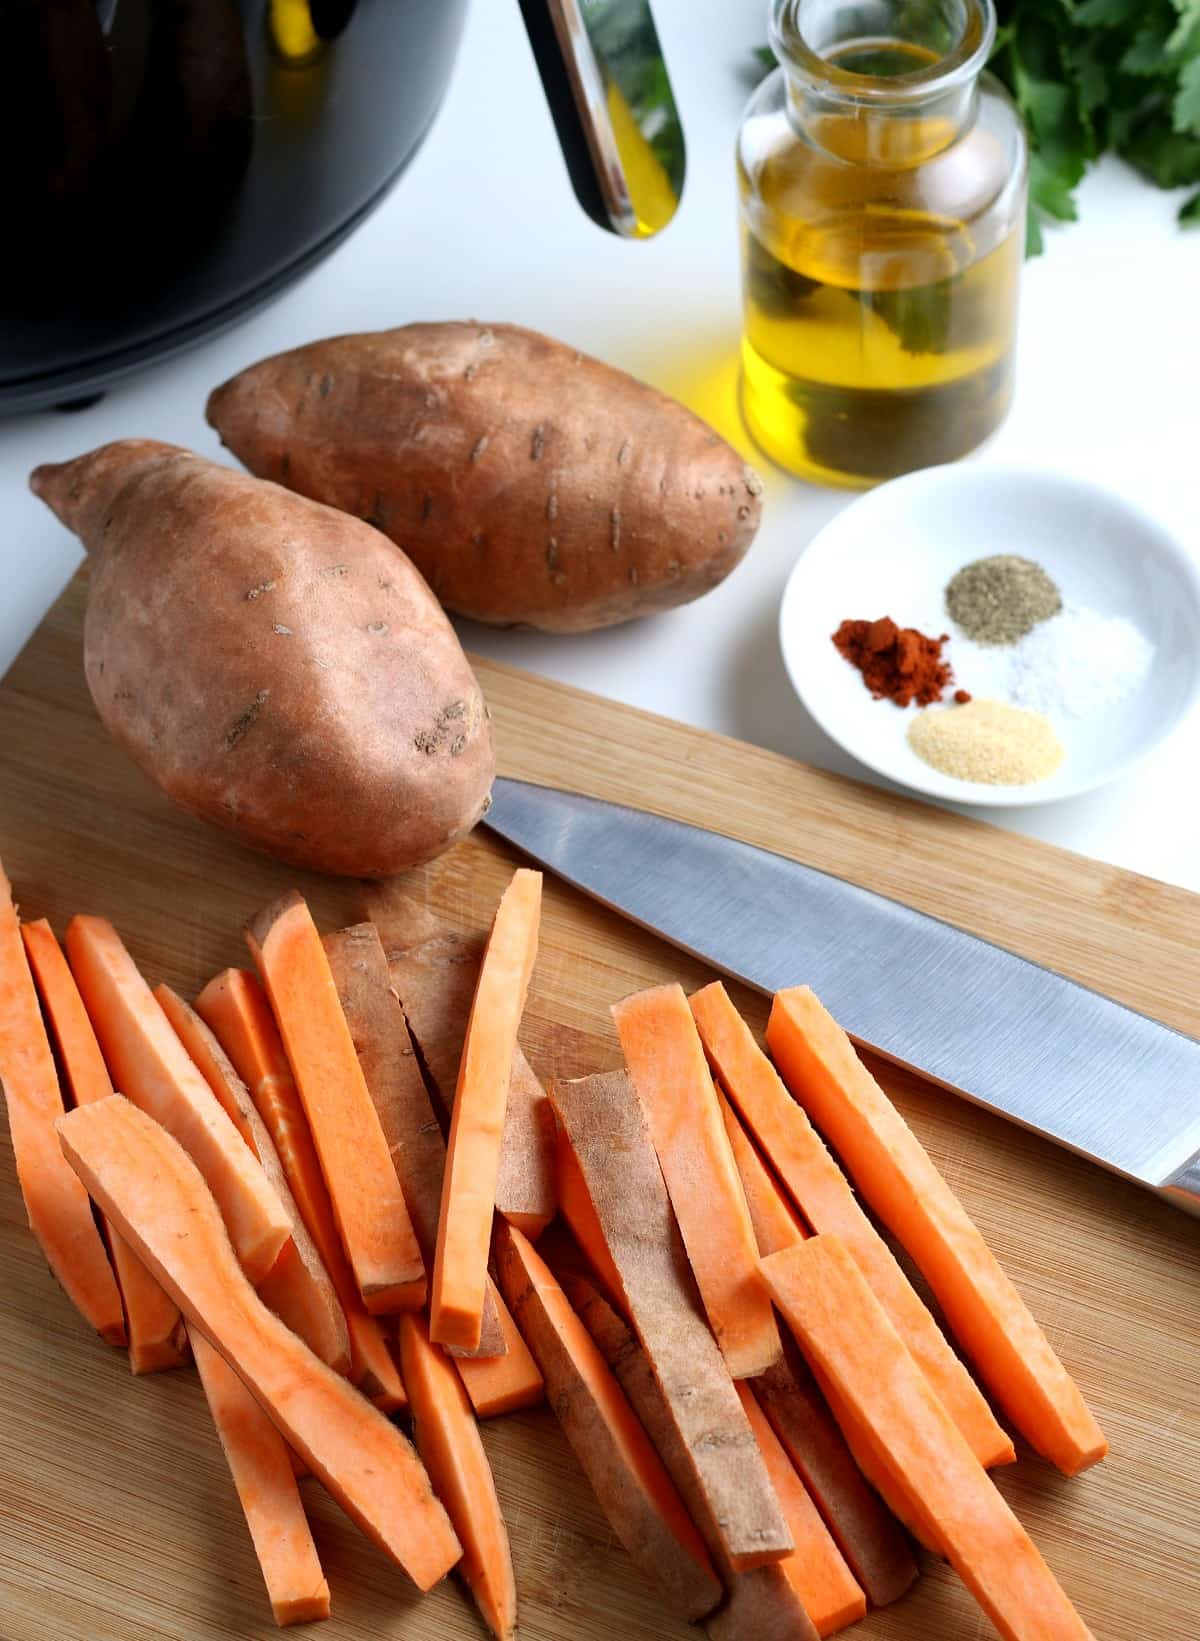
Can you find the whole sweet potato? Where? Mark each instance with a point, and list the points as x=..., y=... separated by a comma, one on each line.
x=528, y=483
x=278, y=668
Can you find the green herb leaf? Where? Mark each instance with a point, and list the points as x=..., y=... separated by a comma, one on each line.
x=1185, y=110
x=1189, y=212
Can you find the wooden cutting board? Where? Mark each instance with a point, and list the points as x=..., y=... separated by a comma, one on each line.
x=117, y=1517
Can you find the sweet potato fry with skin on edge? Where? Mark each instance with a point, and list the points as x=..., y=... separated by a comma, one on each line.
x=297, y=1287
x=666, y=1062
x=606, y=1128
x=235, y=1007
x=261, y=1466
x=56, y=1205
x=831, y=1595
x=845, y=1332
x=874, y=1545
x=368, y=1204
x=575, y=1206
x=761, y=1600
x=896, y=1176
x=477, y=1123
x=398, y=1093
x=151, y=1067
x=449, y=1442
x=155, y=1332
x=822, y=1193
x=150, y=1188
x=501, y=1384
x=434, y=973
x=629, y=1480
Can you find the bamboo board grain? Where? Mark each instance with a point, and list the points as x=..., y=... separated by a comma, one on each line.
x=117, y=1520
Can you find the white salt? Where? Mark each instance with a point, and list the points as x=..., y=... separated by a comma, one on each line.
x=1078, y=662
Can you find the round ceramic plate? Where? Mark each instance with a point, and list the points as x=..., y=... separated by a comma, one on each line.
x=892, y=551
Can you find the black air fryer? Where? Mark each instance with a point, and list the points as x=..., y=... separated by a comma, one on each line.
x=171, y=164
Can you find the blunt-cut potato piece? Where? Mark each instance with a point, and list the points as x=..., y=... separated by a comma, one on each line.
x=277, y=668
x=528, y=482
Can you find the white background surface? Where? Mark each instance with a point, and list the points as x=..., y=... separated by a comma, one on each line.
x=484, y=225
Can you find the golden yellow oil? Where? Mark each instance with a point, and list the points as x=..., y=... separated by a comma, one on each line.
x=880, y=296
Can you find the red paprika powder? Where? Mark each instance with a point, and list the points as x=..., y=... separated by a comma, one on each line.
x=898, y=663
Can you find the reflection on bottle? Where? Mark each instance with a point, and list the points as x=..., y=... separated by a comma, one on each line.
x=292, y=32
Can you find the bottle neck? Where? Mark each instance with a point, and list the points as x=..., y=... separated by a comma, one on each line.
x=882, y=82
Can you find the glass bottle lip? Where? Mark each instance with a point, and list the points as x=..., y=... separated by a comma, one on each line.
x=962, y=63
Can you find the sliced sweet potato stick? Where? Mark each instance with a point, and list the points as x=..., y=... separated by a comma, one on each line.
x=449, y=1442
x=156, y=1335
x=897, y=1177
x=606, y=1127
x=368, y=1204
x=822, y=1193
x=627, y=1476
x=874, y=1545
x=260, y=1463
x=666, y=1062
x=151, y=1189
x=760, y=1601
x=59, y=1213
x=776, y=1223
x=434, y=973
x=150, y=1066
x=843, y=1330
x=831, y=1594
x=297, y=1288
x=398, y=1093
x=575, y=1206
x=502, y=1384
x=477, y=1122
x=235, y=1007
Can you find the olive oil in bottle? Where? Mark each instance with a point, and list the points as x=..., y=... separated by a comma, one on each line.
x=882, y=191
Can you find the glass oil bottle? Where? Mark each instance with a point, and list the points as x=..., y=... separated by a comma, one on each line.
x=883, y=182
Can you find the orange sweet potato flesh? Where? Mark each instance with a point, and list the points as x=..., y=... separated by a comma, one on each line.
x=822, y=1193
x=759, y=1601
x=666, y=1063
x=151, y=1189
x=397, y=1089
x=529, y=483
x=845, y=1332
x=260, y=1464
x=477, y=1123
x=234, y=1006
x=368, y=1204
x=627, y=1476
x=502, y=1384
x=156, y=1336
x=434, y=973
x=831, y=1595
x=897, y=1177
x=297, y=1288
x=876, y=1548
x=449, y=1442
x=277, y=667
x=720, y=1462
x=575, y=1206
x=59, y=1213
x=151, y=1067
x=776, y=1223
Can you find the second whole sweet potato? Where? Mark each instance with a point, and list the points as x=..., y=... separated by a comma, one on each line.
x=529, y=483
x=276, y=667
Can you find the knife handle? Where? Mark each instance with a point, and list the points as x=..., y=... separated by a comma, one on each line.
x=1184, y=1189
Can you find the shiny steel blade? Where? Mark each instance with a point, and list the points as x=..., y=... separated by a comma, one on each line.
x=1025, y=1042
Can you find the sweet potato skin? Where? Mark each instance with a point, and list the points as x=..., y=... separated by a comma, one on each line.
x=531, y=484
x=276, y=667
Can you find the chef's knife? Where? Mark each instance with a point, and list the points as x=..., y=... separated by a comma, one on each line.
x=1027, y=1043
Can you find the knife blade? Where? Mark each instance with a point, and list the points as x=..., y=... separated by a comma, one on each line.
x=1006, y=1033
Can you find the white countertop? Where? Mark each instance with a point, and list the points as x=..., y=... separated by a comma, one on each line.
x=484, y=225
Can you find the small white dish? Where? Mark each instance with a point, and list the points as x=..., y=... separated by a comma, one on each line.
x=892, y=551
